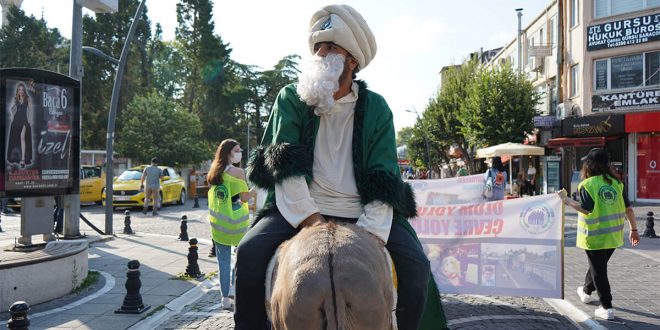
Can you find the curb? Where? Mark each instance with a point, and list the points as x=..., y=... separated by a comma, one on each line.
x=173, y=307
x=579, y=318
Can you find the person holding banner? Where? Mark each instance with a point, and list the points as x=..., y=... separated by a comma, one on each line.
x=495, y=179
x=601, y=212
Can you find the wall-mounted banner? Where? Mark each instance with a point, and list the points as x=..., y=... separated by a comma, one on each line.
x=637, y=100
x=505, y=248
x=624, y=32
x=41, y=133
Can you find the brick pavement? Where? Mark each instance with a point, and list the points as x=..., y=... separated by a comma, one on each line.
x=633, y=274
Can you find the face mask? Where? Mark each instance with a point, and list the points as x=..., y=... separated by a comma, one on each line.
x=237, y=157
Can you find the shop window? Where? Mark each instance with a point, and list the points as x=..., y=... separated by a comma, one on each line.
x=648, y=166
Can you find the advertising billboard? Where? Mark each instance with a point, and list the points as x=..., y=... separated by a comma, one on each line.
x=40, y=143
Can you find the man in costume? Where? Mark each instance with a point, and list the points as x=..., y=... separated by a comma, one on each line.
x=329, y=153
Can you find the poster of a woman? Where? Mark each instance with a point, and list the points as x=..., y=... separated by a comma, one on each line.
x=19, y=140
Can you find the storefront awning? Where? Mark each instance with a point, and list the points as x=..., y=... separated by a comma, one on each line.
x=576, y=142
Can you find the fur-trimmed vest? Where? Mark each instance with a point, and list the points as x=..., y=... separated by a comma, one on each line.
x=287, y=150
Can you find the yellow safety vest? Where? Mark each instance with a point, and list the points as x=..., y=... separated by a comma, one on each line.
x=229, y=222
x=603, y=227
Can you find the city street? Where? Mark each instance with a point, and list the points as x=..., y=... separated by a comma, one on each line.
x=630, y=271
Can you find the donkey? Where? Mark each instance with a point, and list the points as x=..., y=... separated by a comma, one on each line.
x=331, y=276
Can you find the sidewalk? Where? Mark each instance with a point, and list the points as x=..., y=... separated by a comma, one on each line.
x=162, y=259
x=178, y=304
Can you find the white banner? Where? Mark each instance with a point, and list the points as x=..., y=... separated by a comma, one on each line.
x=506, y=248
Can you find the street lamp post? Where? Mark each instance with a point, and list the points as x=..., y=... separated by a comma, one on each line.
x=426, y=139
x=99, y=53
x=109, y=192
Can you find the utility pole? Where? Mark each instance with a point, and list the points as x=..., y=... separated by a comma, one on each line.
x=520, y=52
x=71, y=203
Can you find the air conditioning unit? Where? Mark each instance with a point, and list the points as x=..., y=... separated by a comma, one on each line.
x=566, y=109
x=561, y=111
x=537, y=63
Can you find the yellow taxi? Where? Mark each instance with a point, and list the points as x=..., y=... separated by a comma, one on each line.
x=127, y=191
x=92, y=182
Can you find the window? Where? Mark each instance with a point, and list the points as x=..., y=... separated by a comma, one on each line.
x=575, y=80
x=652, y=69
x=601, y=70
x=575, y=11
x=553, y=31
x=541, y=37
x=604, y=8
x=629, y=71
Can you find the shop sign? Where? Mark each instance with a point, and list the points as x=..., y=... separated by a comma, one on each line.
x=624, y=32
x=636, y=100
x=40, y=140
x=544, y=121
x=593, y=126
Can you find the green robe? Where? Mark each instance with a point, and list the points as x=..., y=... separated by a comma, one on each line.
x=287, y=150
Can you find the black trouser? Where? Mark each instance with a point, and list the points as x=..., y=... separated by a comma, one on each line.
x=596, y=279
x=259, y=244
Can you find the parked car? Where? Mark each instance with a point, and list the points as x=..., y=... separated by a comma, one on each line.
x=127, y=192
x=92, y=182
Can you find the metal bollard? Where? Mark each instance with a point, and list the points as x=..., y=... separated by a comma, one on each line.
x=192, y=269
x=649, y=231
x=183, y=236
x=196, y=206
x=127, y=222
x=19, y=316
x=133, y=300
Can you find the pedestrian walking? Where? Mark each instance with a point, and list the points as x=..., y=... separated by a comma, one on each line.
x=329, y=152
x=228, y=210
x=152, y=175
x=601, y=212
x=495, y=180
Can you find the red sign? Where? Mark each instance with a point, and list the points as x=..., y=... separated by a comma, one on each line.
x=648, y=166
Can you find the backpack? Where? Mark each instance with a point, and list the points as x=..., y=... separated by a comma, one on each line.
x=488, y=187
x=499, y=179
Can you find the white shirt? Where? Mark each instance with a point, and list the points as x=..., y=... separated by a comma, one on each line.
x=333, y=190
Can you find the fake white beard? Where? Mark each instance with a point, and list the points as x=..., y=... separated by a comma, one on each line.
x=319, y=80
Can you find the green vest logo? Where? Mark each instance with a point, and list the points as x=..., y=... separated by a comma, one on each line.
x=221, y=193
x=607, y=194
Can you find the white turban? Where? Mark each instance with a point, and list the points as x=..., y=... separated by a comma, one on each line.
x=345, y=27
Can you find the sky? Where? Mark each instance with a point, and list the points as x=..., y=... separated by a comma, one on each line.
x=415, y=38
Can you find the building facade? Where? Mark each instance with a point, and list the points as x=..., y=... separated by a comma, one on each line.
x=601, y=83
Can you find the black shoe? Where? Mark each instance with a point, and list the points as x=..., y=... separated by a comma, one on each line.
x=144, y=212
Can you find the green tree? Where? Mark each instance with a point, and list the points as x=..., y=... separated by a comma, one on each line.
x=108, y=32
x=500, y=107
x=442, y=113
x=258, y=90
x=209, y=88
x=155, y=126
x=26, y=41
x=403, y=136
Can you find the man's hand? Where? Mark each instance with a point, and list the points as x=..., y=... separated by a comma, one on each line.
x=634, y=238
x=312, y=220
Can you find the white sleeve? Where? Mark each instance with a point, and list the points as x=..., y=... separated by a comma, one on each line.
x=294, y=201
x=377, y=219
